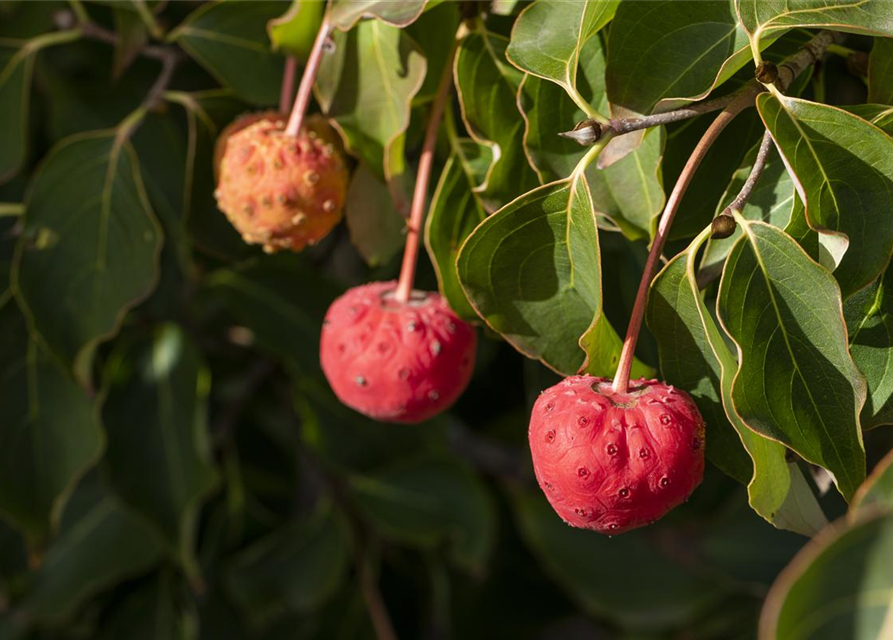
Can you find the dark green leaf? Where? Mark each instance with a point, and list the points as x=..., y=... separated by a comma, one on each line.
x=880, y=71
x=151, y=613
x=261, y=294
x=869, y=317
x=666, y=53
x=454, y=213
x=132, y=36
x=366, y=85
x=763, y=17
x=796, y=381
x=100, y=544
x=532, y=272
x=548, y=37
x=295, y=30
x=435, y=33
x=695, y=356
x=344, y=14
x=487, y=87
x=91, y=245
x=651, y=592
x=294, y=569
x=838, y=586
x=50, y=433
x=877, y=490
x=377, y=230
x=844, y=169
x=155, y=418
x=229, y=39
x=427, y=500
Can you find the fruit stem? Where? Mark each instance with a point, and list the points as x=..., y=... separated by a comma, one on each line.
x=305, y=89
x=423, y=176
x=288, y=83
x=744, y=100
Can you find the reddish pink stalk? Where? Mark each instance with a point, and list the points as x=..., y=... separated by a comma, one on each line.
x=621, y=378
x=306, y=87
x=423, y=177
x=288, y=83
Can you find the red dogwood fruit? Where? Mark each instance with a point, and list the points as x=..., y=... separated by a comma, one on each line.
x=611, y=461
x=394, y=361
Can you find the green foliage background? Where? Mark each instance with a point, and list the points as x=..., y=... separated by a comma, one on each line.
x=174, y=465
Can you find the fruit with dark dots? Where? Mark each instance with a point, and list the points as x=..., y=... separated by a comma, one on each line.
x=281, y=191
x=611, y=461
x=396, y=361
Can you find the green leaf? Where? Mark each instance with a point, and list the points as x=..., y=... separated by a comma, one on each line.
x=229, y=39
x=772, y=201
x=547, y=39
x=877, y=490
x=295, y=31
x=695, y=356
x=532, y=271
x=260, y=293
x=435, y=33
x=100, y=544
x=844, y=171
x=155, y=418
x=838, y=586
x=377, y=229
x=880, y=71
x=796, y=382
x=15, y=91
x=151, y=613
x=366, y=85
x=662, y=54
x=293, y=569
x=344, y=14
x=16, y=68
x=487, y=87
x=50, y=433
x=132, y=35
x=763, y=17
x=90, y=246
x=869, y=317
x=429, y=499
x=454, y=213
x=597, y=571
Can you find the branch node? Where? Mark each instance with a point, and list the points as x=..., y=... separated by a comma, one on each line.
x=766, y=72
x=585, y=133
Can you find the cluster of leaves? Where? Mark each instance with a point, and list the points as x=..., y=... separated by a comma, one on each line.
x=172, y=463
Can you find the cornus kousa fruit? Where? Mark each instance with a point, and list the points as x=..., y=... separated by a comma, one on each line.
x=281, y=191
x=396, y=361
x=611, y=461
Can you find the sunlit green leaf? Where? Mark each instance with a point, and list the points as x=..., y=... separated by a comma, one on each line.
x=344, y=14
x=880, y=71
x=763, y=17
x=487, y=85
x=844, y=167
x=838, y=586
x=377, y=230
x=295, y=30
x=695, y=356
x=366, y=86
x=877, y=490
x=796, y=381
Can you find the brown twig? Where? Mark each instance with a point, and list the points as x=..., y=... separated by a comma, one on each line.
x=423, y=176
x=378, y=611
x=305, y=89
x=755, y=172
x=744, y=100
x=589, y=132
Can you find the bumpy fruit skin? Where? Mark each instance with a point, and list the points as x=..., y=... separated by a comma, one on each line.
x=396, y=362
x=280, y=191
x=613, y=462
